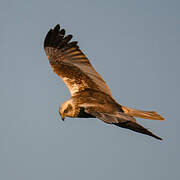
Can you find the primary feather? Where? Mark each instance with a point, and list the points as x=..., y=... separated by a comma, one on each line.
x=69, y=62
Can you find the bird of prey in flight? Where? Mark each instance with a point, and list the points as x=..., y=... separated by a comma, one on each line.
x=90, y=95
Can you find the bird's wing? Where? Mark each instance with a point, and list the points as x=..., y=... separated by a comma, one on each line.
x=70, y=63
x=120, y=119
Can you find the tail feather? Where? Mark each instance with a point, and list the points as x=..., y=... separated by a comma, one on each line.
x=122, y=120
x=142, y=114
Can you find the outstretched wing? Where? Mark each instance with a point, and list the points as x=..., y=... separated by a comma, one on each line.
x=69, y=62
x=122, y=120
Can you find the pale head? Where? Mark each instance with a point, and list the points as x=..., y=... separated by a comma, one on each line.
x=67, y=109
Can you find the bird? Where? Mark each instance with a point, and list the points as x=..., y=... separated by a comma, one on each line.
x=90, y=95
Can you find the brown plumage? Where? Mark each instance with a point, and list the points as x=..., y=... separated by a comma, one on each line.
x=90, y=95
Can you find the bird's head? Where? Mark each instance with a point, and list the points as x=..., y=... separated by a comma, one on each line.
x=67, y=109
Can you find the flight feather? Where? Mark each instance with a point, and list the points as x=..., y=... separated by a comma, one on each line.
x=71, y=64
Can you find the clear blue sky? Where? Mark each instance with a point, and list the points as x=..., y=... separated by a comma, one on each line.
x=134, y=45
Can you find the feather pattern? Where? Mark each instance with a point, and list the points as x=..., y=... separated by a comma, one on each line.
x=122, y=120
x=70, y=63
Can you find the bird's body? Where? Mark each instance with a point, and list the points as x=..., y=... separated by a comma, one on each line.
x=90, y=96
x=97, y=100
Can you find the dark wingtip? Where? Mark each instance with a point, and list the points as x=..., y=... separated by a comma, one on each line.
x=56, y=38
x=62, y=32
x=153, y=135
x=57, y=27
x=157, y=137
x=47, y=38
x=138, y=128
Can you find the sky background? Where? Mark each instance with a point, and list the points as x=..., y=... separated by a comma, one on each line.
x=134, y=45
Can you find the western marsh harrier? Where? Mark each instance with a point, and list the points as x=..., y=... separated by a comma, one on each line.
x=90, y=95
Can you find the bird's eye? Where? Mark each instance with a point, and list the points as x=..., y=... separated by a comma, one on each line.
x=65, y=111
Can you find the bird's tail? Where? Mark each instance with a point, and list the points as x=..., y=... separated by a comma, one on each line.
x=142, y=114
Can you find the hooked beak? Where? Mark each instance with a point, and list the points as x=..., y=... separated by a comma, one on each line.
x=62, y=116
